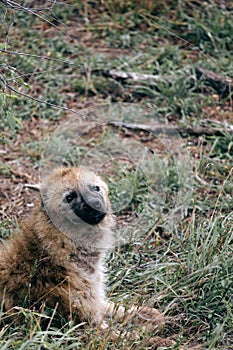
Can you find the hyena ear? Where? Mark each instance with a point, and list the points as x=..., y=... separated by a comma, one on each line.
x=35, y=187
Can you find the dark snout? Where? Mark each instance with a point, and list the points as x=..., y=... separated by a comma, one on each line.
x=91, y=209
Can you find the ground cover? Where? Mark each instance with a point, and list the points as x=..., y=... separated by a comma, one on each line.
x=173, y=60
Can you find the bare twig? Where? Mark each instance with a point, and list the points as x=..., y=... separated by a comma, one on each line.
x=38, y=56
x=9, y=87
x=16, y=6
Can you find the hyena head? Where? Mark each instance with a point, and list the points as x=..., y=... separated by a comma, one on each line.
x=75, y=198
x=77, y=194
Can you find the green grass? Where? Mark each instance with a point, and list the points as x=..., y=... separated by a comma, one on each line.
x=174, y=245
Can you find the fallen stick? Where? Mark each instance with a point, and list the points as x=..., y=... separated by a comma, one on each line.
x=133, y=76
x=222, y=85
x=170, y=130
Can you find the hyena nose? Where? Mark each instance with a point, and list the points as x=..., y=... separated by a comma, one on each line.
x=91, y=210
x=94, y=204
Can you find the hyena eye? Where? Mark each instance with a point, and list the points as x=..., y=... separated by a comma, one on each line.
x=96, y=188
x=70, y=197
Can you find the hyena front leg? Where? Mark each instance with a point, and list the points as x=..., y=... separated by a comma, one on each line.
x=142, y=316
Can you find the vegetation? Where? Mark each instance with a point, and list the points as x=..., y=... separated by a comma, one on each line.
x=172, y=194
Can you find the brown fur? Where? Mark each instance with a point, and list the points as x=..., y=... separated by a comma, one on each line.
x=58, y=261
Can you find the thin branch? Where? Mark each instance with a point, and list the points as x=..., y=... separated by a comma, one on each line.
x=15, y=5
x=38, y=56
x=32, y=74
x=9, y=87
